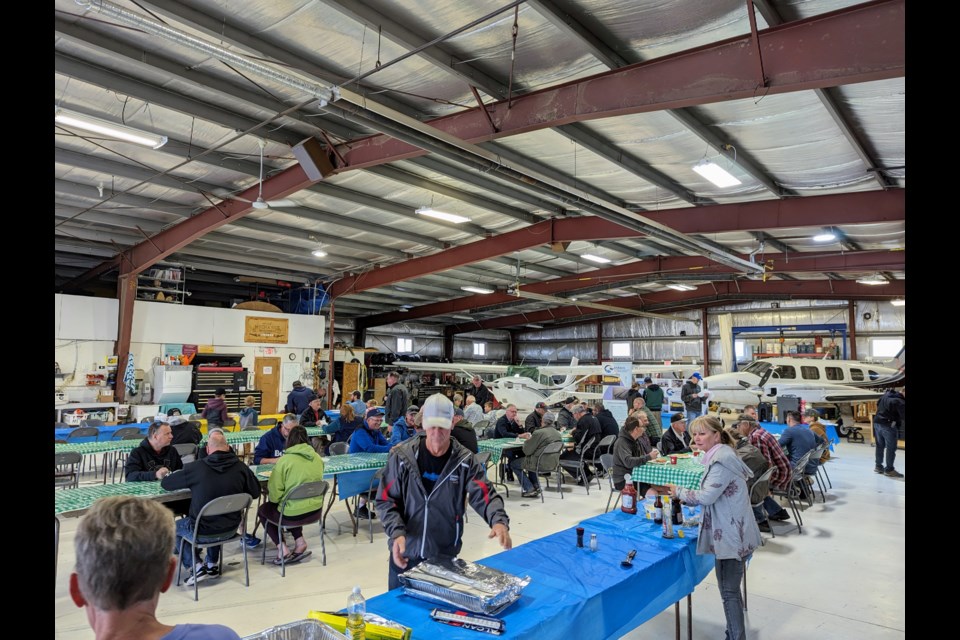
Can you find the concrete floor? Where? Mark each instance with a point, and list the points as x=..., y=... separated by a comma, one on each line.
x=842, y=578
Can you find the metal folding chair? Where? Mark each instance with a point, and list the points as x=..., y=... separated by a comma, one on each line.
x=218, y=507
x=579, y=465
x=301, y=491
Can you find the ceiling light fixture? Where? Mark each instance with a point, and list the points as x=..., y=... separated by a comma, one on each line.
x=874, y=280
x=109, y=129
x=715, y=174
x=825, y=236
x=477, y=290
x=898, y=302
x=320, y=253
x=593, y=258
x=681, y=287
x=461, y=317
x=430, y=212
x=534, y=326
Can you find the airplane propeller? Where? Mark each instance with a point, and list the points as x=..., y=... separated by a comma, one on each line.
x=758, y=388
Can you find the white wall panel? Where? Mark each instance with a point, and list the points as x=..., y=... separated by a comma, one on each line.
x=85, y=317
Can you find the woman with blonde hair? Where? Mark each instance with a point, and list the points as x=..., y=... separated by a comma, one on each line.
x=727, y=526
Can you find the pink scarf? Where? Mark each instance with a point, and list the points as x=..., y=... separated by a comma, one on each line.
x=709, y=455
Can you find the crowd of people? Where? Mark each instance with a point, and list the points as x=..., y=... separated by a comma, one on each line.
x=431, y=455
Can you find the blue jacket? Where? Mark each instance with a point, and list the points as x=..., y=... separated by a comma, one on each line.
x=345, y=429
x=401, y=431
x=298, y=400
x=271, y=445
x=366, y=441
x=359, y=407
x=798, y=439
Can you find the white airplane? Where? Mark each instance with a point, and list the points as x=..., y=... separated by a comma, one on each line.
x=525, y=386
x=818, y=382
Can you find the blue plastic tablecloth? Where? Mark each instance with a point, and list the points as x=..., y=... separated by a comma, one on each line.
x=573, y=592
x=106, y=433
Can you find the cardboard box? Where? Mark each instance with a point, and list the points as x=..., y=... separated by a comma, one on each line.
x=105, y=396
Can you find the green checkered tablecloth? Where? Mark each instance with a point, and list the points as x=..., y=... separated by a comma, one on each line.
x=332, y=465
x=75, y=502
x=234, y=438
x=496, y=447
x=686, y=473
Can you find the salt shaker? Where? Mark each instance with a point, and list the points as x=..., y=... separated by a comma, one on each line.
x=593, y=542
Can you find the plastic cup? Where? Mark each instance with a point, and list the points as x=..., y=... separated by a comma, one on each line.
x=673, y=459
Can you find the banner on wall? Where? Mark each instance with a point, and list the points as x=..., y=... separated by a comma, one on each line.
x=262, y=329
x=614, y=395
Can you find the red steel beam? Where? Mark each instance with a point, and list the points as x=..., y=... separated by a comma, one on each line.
x=861, y=43
x=847, y=208
x=795, y=262
x=718, y=292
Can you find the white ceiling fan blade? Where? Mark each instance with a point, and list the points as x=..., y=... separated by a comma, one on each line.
x=229, y=195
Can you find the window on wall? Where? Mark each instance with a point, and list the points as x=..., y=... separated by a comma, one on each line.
x=619, y=349
x=740, y=349
x=885, y=347
x=404, y=345
x=479, y=348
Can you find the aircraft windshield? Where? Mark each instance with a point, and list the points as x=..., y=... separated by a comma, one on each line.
x=758, y=368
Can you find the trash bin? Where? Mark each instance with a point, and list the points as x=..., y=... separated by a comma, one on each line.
x=765, y=412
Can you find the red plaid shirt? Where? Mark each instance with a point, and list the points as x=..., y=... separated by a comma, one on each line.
x=770, y=448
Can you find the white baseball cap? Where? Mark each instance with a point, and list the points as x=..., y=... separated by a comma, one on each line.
x=438, y=412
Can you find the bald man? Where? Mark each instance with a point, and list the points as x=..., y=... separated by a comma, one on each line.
x=221, y=473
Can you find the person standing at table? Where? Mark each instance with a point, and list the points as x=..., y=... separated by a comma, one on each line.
x=220, y=473
x=300, y=463
x=690, y=396
x=727, y=527
x=299, y=398
x=653, y=397
x=676, y=439
x=630, y=450
x=216, y=409
x=424, y=490
x=479, y=391
x=155, y=458
x=398, y=398
x=652, y=423
x=891, y=415
x=124, y=563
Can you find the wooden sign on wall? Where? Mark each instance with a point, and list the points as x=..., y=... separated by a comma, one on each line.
x=260, y=329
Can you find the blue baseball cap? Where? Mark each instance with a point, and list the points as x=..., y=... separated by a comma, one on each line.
x=697, y=375
x=374, y=411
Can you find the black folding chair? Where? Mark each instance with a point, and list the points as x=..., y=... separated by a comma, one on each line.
x=317, y=488
x=218, y=507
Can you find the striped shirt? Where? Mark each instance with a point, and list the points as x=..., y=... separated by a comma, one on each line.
x=770, y=448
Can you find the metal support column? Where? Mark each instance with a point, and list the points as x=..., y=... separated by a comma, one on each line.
x=706, y=342
x=852, y=324
x=448, y=333
x=127, y=294
x=599, y=341
x=330, y=358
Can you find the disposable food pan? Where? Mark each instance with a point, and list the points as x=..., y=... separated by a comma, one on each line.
x=462, y=584
x=299, y=630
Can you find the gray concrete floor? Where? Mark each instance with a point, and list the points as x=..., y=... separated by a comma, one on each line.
x=842, y=578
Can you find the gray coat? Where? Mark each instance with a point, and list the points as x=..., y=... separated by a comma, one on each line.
x=627, y=454
x=727, y=526
x=537, y=443
x=398, y=399
x=688, y=394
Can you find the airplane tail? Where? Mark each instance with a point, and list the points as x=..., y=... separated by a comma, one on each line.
x=899, y=361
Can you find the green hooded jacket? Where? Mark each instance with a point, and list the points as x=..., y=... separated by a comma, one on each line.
x=298, y=464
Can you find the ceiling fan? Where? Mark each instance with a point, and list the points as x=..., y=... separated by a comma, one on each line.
x=260, y=204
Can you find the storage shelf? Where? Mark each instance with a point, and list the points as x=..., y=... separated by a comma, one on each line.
x=791, y=355
x=143, y=277
x=175, y=293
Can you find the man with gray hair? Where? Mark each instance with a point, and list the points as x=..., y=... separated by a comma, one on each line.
x=271, y=444
x=123, y=565
x=586, y=435
x=471, y=410
x=219, y=474
x=526, y=467
x=154, y=459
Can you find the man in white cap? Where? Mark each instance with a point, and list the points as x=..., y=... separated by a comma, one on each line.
x=423, y=493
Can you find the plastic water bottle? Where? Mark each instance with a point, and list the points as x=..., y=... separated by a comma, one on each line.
x=356, y=607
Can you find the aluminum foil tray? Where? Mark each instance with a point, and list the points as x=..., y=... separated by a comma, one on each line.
x=462, y=584
x=300, y=630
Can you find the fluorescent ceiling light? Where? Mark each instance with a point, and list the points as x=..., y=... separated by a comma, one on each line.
x=826, y=236
x=109, y=129
x=681, y=287
x=441, y=215
x=873, y=280
x=477, y=290
x=534, y=326
x=715, y=174
x=320, y=253
x=573, y=299
x=600, y=259
x=898, y=302
x=461, y=317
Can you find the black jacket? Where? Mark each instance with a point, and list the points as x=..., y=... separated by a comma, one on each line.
x=891, y=409
x=398, y=399
x=532, y=422
x=298, y=400
x=608, y=424
x=143, y=462
x=464, y=434
x=688, y=394
x=670, y=443
x=186, y=433
x=219, y=474
x=482, y=394
x=433, y=524
x=653, y=397
x=310, y=418
x=565, y=419
x=587, y=427
x=506, y=429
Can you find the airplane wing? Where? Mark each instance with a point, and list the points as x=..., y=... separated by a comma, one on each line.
x=464, y=367
x=823, y=392
x=563, y=394
x=597, y=370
